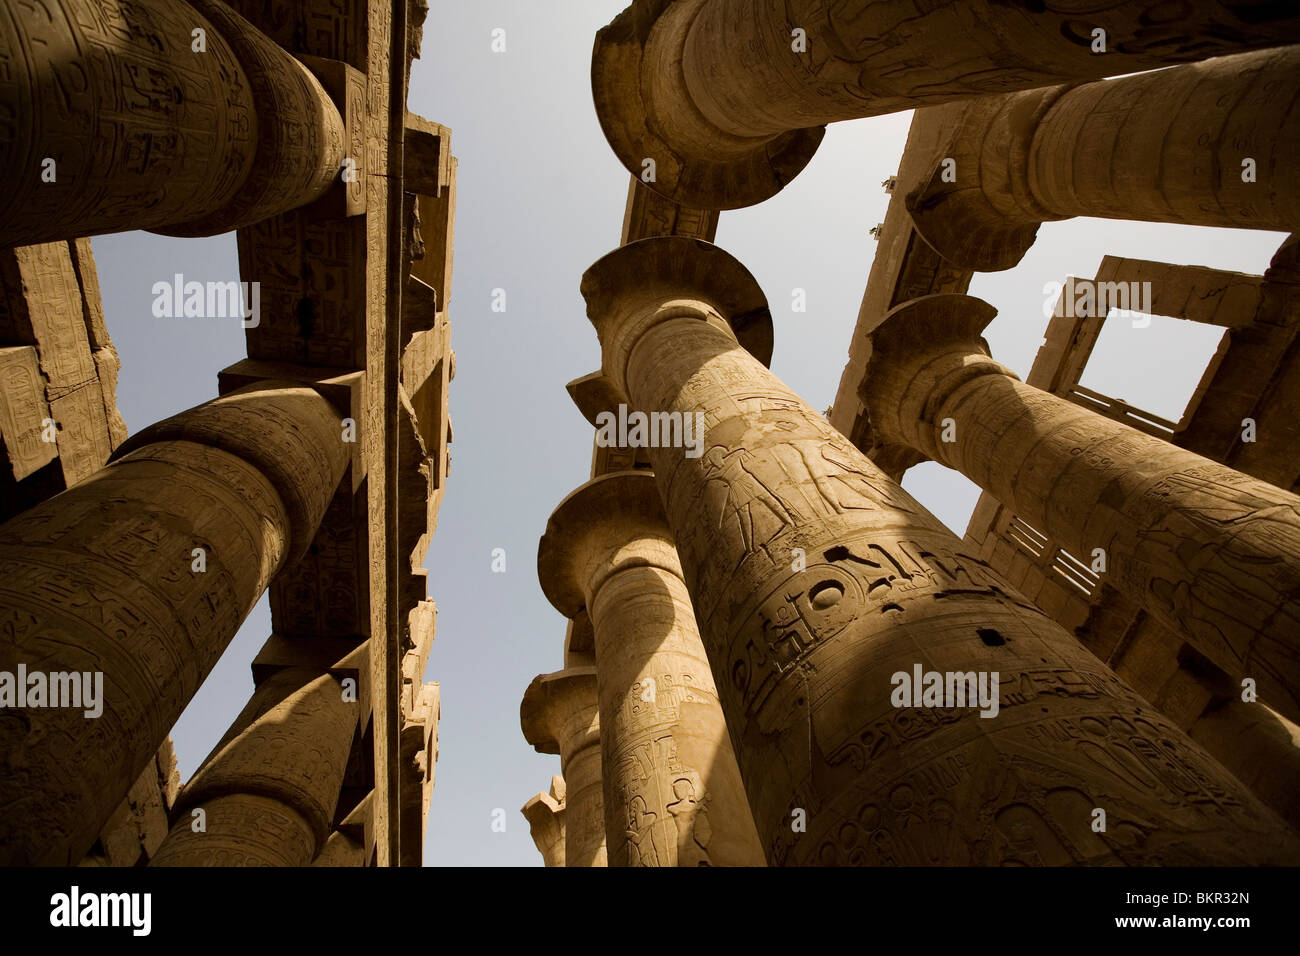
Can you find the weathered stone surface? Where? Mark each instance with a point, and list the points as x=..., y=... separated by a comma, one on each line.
x=560, y=715
x=162, y=137
x=102, y=579
x=803, y=656
x=545, y=815
x=1168, y=146
x=728, y=97
x=289, y=747
x=1212, y=553
x=672, y=791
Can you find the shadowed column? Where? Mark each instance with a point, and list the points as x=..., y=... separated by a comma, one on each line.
x=673, y=795
x=269, y=789
x=1212, y=553
x=154, y=114
x=1207, y=144
x=142, y=574
x=559, y=715
x=1260, y=747
x=728, y=97
x=818, y=583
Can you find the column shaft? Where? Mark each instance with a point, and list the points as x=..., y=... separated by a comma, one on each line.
x=584, y=809
x=673, y=795
x=818, y=582
x=269, y=789
x=560, y=715
x=119, y=120
x=866, y=58
x=672, y=790
x=141, y=575
x=1210, y=552
x=1209, y=144
x=1260, y=747
x=729, y=97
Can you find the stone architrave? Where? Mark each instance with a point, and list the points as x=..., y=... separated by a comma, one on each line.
x=560, y=715
x=821, y=588
x=1205, y=144
x=120, y=121
x=142, y=574
x=673, y=795
x=1210, y=552
x=718, y=104
x=267, y=793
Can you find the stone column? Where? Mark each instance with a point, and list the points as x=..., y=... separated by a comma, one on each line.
x=1260, y=747
x=269, y=789
x=559, y=715
x=545, y=815
x=728, y=97
x=142, y=574
x=1211, y=553
x=673, y=795
x=1206, y=144
x=117, y=120
x=821, y=587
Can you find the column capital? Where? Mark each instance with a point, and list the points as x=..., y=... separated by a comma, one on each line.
x=545, y=815
x=974, y=205
x=922, y=351
x=646, y=112
x=611, y=523
x=655, y=280
x=558, y=714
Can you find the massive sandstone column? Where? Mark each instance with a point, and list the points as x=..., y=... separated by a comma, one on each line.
x=560, y=715
x=269, y=789
x=1260, y=747
x=1212, y=553
x=143, y=573
x=113, y=120
x=673, y=795
x=816, y=580
x=727, y=97
x=1206, y=144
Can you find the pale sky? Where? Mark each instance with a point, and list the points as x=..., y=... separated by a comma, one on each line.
x=540, y=197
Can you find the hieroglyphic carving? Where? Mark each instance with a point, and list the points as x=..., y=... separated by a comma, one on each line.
x=1174, y=131
x=1210, y=552
x=290, y=744
x=23, y=412
x=815, y=740
x=709, y=90
x=664, y=747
